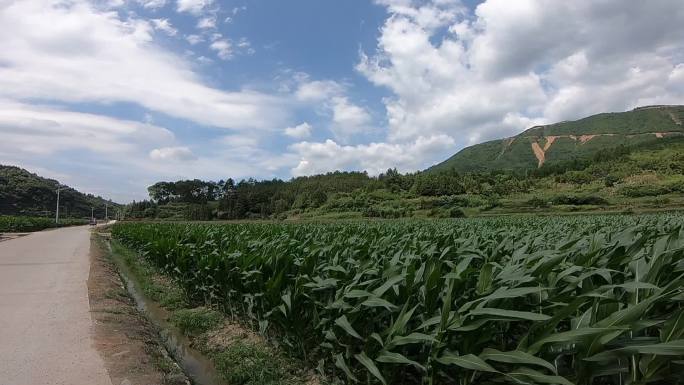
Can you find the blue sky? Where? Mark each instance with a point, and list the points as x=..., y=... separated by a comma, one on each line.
x=110, y=96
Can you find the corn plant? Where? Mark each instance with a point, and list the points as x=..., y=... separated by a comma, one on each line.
x=575, y=300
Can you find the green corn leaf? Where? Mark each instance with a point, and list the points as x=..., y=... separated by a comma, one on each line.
x=468, y=361
x=396, y=358
x=523, y=315
x=570, y=336
x=389, y=283
x=537, y=377
x=370, y=365
x=344, y=324
x=378, y=302
x=413, y=338
x=516, y=357
x=672, y=348
x=339, y=362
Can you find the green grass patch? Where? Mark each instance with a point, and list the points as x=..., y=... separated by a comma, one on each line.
x=253, y=364
x=196, y=321
x=151, y=280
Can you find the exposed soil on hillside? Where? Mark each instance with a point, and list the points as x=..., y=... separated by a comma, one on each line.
x=540, y=153
x=549, y=142
x=126, y=340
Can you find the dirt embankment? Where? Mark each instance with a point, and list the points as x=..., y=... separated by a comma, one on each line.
x=126, y=340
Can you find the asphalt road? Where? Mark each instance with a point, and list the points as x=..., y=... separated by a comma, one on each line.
x=45, y=324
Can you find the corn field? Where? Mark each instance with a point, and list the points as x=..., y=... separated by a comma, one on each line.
x=575, y=300
x=13, y=224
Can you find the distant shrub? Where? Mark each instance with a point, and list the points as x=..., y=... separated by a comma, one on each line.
x=576, y=177
x=610, y=180
x=676, y=187
x=579, y=200
x=659, y=201
x=537, y=202
x=456, y=212
x=645, y=190
x=386, y=212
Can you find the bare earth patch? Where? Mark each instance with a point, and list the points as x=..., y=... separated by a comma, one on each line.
x=126, y=340
x=549, y=142
x=539, y=153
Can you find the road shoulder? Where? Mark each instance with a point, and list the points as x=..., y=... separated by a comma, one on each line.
x=126, y=340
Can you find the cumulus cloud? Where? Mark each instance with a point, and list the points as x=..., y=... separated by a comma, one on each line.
x=195, y=7
x=40, y=130
x=300, y=131
x=375, y=158
x=152, y=4
x=194, y=39
x=487, y=73
x=82, y=55
x=318, y=90
x=223, y=48
x=208, y=22
x=179, y=153
x=348, y=118
x=118, y=158
x=165, y=26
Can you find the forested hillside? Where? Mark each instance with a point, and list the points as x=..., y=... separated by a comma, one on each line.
x=25, y=193
x=643, y=176
x=564, y=141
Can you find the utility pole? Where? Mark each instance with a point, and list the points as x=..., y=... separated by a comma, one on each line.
x=92, y=212
x=57, y=211
x=106, y=216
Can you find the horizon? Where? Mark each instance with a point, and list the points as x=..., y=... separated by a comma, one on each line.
x=110, y=97
x=291, y=178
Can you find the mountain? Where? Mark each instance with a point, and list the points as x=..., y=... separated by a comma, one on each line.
x=25, y=193
x=564, y=141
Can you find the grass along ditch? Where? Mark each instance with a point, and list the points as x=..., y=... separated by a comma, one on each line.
x=212, y=348
x=126, y=339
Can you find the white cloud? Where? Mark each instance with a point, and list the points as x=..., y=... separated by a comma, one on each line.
x=195, y=7
x=165, y=26
x=152, y=4
x=300, y=131
x=245, y=46
x=315, y=158
x=489, y=73
x=208, y=22
x=82, y=55
x=223, y=48
x=318, y=90
x=39, y=130
x=348, y=118
x=119, y=158
x=194, y=39
x=179, y=153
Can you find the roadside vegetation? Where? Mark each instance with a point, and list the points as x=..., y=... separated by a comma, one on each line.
x=12, y=224
x=552, y=300
x=239, y=355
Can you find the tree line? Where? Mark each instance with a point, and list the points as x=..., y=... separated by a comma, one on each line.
x=251, y=198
